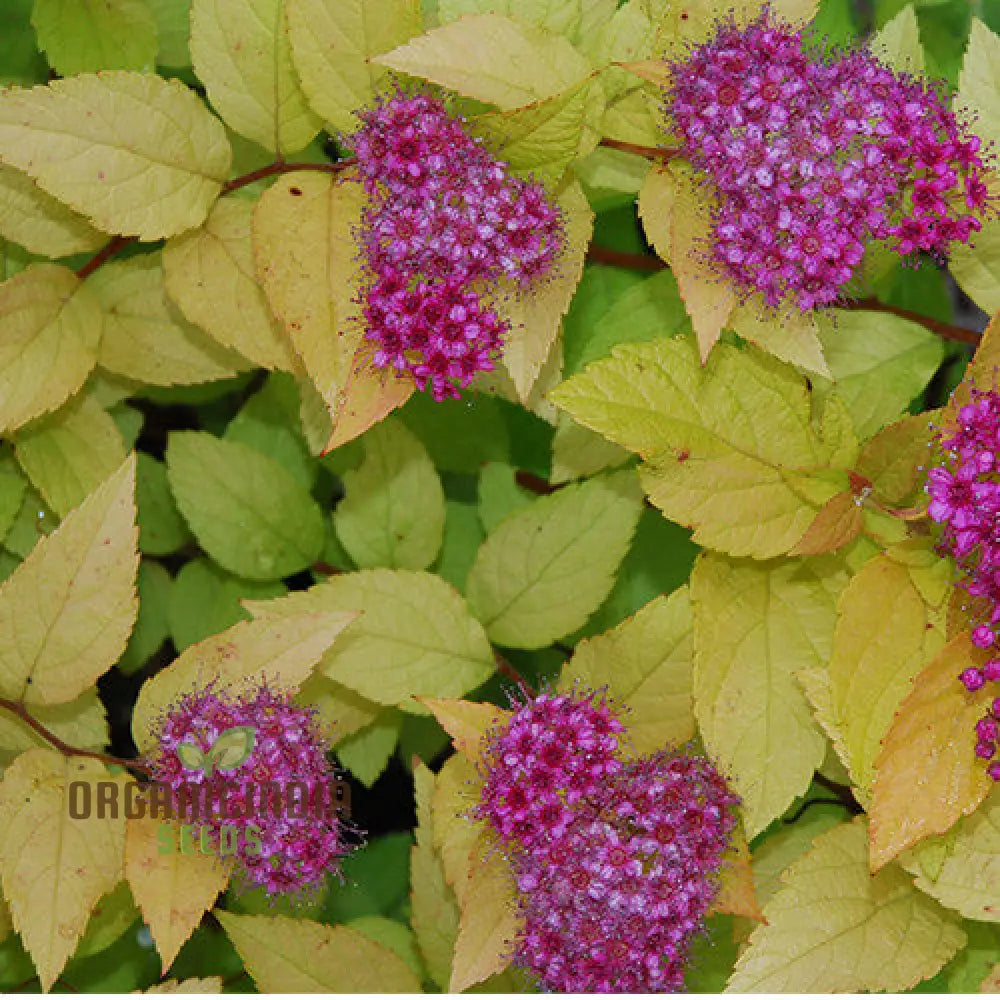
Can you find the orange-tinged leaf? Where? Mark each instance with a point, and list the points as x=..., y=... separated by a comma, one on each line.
x=675, y=216
x=893, y=459
x=927, y=776
x=838, y=522
x=210, y=984
x=737, y=889
x=55, y=868
x=488, y=925
x=466, y=722
x=173, y=890
x=991, y=984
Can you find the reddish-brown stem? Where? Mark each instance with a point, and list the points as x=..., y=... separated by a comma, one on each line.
x=649, y=152
x=534, y=484
x=949, y=331
x=619, y=258
x=18, y=709
x=117, y=243
x=506, y=668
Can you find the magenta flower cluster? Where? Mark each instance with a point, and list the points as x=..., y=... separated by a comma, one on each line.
x=965, y=500
x=616, y=861
x=295, y=853
x=813, y=157
x=446, y=223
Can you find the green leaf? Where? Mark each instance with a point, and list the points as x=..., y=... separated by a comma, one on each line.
x=173, y=25
x=12, y=488
x=414, y=637
x=150, y=141
x=38, y=222
x=979, y=84
x=246, y=511
x=333, y=42
x=366, y=753
x=282, y=953
x=20, y=61
x=755, y=625
x=152, y=626
x=79, y=584
x=393, y=512
x=209, y=272
x=647, y=664
x=33, y=521
x=205, y=600
x=393, y=934
x=546, y=568
x=192, y=756
x=463, y=534
x=735, y=451
x=976, y=266
x=84, y=36
x=161, y=528
x=231, y=748
x=240, y=51
x=493, y=59
x=48, y=345
x=499, y=494
x=145, y=338
x=879, y=364
x=832, y=927
x=70, y=453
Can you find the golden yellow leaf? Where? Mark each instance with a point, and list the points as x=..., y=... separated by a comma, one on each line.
x=55, y=868
x=305, y=250
x=281, y=652
x=210, y=984
x=737, y=887
x=50, y=329
x=77, y=584
x=647, y=663
x=466, y=722
x=209, y=272
x=173, y=890
x=535, y=314
x=456, y=792
x=240, y=51
x=927, y=775
x=489, y=923
x=838, y=522
x=146, y=338
x=285, y=954
x=676, y=217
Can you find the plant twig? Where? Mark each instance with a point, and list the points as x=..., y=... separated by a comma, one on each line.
x=948, y=331
x=618, y=258
x=114, y=246
x=659, y=153
x=507, y=669
x=18, y=709
x=844, y=793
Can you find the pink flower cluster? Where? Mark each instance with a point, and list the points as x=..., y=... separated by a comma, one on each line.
x=446, y=222
x=617, y=862
x=965, y=499
x=813, y=157
x=295, y=853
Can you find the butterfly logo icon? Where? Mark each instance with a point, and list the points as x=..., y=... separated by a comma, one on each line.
x=232, y=748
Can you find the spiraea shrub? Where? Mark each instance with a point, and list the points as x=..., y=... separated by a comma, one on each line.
x=499, y=496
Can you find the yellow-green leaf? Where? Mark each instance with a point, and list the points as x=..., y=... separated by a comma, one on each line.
x=832, y=927
x=927, y=775
x=147, y=339
x=134, y=153
x=209, y=273
x=966, y=877
x=646, y=662
x=281, y=653
x=883, y=638
x=897, y=43
x=456, y=793
x=83, y=36
x=754, y=626
x=247, y=511
x=392, y=513
x=210, y=984
x=284, y=954
x=546, y=568
x=240, y=51
x=50, y=329
x=893, y=459
x=560, y=16
x=333, y=42
x=415, y=635
x=77, y=584
x=735, y=449
x=307, y=261
x=976, y=265
x=70, y=453
x=788, y=334
x=340, y=708
x=979, y=82
x=838, y=523
x=675, y=217
x=40, y=223
x=488, y=924
x=55, y=868
x=535, y=314
x=173, y=890
x=80, y=723
x=493, y=59
x=466, y=722
x=578, y=452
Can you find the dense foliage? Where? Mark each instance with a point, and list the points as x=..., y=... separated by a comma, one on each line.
x=561, y=416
